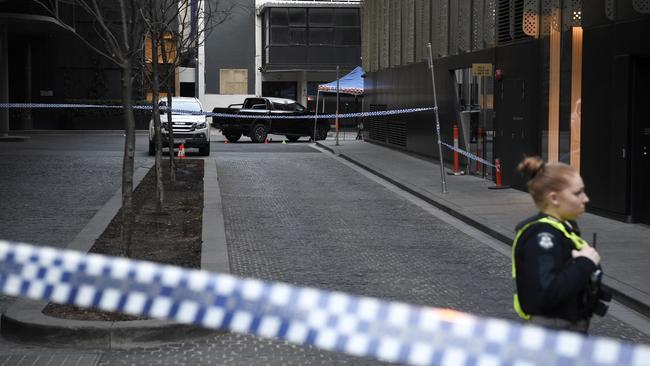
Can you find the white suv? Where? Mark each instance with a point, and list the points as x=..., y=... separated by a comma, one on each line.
x=193, y=130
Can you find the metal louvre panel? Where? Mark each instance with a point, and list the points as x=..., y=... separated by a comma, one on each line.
x=641, y=6
x=464, y=25
x=490, y=20
x=364, y=36
x=396, y=133
x=517, y=10
x=478, y=24
x=531, y=17
x=395, y=33
x=503, y=21
x=377, y=127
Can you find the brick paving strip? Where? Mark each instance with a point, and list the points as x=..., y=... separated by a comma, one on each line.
x=25, y=321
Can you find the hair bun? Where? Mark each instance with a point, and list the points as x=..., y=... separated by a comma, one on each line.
x=530, y=166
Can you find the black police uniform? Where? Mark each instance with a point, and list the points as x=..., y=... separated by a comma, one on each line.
x=550, y=283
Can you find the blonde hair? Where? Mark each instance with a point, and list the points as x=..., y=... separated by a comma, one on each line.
x=545, y=178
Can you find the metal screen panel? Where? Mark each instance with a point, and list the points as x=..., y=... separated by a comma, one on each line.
x=443, y=40
x=610, y=9
x=419, y=34
x=464, y=30
x=572, y=14
x=426, y=29
x=384, y=42
x=641, y=6
x=531, y=17
x=395, y=20
x=453, y=27
x=545, y=21
x=408, y=30
x=477, y=24
x=490, y=20
x=556, y=14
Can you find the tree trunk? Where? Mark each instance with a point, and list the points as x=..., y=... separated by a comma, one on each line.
x=155, y=37
x=127, y=162
x=172, y=168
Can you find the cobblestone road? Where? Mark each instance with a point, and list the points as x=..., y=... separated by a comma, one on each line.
x=298, y=216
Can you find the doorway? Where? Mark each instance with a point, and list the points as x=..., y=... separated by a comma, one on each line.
x=640, y=149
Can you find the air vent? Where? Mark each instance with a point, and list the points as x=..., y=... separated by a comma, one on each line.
x=396, y=133
x=510, y=21
x=377, y=127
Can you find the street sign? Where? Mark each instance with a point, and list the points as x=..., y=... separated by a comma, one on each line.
x=481, y=69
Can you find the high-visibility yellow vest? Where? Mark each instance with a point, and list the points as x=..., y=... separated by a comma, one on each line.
x=577, y=241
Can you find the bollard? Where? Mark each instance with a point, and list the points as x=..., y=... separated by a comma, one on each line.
x=456, y=164
x=497, y=163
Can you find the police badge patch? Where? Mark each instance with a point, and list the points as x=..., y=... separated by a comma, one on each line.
x=545, y=240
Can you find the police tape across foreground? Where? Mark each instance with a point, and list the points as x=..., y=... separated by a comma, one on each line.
x=334, y=321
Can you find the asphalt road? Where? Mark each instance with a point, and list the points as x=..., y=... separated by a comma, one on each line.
x=292, y=214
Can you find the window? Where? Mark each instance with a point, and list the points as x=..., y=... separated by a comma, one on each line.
x=233, y=81
x=320, y=17
x=321, y=36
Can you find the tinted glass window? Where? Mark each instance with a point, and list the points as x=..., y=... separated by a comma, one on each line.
x=321, y=36
x=297, y=17
x=279, y=36
x=279, y=16
x=320, y=17
x=347, y=36
x=298, y=36
x=346, y=17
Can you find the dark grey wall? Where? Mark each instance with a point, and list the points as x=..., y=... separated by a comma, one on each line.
x=610, y=49
x=231, y=45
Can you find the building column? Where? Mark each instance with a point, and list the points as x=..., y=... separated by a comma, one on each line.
x=27, y=122
x=301, y=79
x=4, y=81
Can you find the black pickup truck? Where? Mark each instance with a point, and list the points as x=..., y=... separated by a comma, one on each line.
x=259, y=127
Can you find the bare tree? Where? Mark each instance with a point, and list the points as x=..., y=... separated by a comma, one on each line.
x=118, y=36
x=186, y=23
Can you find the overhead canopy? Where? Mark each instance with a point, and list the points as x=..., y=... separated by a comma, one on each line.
x=352, y=83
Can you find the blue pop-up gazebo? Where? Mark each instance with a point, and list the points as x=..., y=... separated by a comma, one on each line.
x=351, y=84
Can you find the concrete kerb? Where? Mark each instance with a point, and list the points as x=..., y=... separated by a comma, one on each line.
x=500, y=234
x=24, y=320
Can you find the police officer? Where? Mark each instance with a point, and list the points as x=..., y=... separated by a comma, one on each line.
x=556, y=271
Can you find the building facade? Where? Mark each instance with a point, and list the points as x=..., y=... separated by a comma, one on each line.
x=563, y=79
x=281, y=49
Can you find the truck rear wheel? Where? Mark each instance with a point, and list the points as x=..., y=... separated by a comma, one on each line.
x=233, y=136
x=259, y=133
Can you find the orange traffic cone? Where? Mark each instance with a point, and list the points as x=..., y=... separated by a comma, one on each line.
x=181, y=151
x=266, y=141
x=226, y=141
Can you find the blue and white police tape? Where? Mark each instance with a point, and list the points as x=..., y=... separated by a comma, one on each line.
x=468, y=154
x=257, y=114
x=360, y=326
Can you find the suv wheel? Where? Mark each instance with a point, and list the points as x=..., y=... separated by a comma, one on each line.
x=292, y=138
x=321, y=133
x=259, y=133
